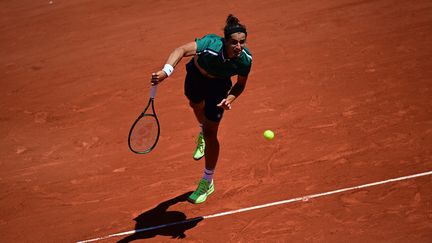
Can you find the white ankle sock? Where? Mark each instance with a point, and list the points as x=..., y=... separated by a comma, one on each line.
x=208, y=175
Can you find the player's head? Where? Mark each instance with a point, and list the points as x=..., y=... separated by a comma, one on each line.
x=235, y=36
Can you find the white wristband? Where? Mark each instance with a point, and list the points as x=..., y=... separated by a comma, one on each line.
x=168, y=69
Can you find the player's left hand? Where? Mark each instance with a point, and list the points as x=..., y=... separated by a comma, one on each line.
x=225, y=104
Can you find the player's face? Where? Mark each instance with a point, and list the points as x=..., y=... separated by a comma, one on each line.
x=234, y=45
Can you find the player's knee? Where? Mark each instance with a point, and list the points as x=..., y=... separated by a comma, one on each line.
x=211, y=130
x=209, y=134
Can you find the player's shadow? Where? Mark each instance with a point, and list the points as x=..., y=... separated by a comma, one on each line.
x=160, y=221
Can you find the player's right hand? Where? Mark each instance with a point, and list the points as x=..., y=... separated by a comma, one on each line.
x=158, y=77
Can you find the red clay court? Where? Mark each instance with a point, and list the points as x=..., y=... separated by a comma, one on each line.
x=345, y=85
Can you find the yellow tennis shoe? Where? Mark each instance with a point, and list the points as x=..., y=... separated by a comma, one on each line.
x=200, y=148
x=203, y=190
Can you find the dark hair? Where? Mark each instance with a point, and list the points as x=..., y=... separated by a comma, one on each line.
x=233, y=26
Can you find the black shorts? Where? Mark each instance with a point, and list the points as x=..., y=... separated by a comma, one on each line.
x=212, y=91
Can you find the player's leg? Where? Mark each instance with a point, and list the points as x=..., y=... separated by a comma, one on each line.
x=206, y=185
x=194, y=89
x=212, y=144
x=198, y=109
x=213, y=116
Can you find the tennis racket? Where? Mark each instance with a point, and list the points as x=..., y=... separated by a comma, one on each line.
x=144, y=133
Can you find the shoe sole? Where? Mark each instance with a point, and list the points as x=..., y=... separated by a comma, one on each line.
x=198, y=158
x=194, y=202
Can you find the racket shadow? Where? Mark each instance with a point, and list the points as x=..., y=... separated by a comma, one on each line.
x=160, y=216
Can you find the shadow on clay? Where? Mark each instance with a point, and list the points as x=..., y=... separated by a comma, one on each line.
x=160, y=221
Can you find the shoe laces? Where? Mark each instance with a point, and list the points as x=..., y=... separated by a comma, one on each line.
x=202, y=187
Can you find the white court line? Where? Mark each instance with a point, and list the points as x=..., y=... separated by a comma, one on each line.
x=304, y=198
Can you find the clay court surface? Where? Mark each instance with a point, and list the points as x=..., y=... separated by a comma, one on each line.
x=345, y=85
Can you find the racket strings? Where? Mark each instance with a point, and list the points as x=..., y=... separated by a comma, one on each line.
x=145, y=134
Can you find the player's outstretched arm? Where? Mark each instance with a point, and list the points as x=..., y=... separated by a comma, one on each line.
x=185, y=50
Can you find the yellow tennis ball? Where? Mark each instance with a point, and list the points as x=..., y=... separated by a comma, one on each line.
x=268, y=134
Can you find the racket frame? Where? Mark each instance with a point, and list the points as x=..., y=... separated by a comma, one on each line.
x=153, y=114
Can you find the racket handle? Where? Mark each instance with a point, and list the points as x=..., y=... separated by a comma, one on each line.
x=153, y=91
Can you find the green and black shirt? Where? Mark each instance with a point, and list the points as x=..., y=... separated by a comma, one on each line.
x=211, y=57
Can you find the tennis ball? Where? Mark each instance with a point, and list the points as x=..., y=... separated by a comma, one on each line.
x=268, y=134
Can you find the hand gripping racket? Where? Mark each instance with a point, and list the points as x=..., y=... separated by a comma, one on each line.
x=144, y=133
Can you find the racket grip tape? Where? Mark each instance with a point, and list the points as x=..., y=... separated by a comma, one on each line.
x=153, y=91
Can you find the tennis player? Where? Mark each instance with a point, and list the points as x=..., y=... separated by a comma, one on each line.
x=209, y=88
